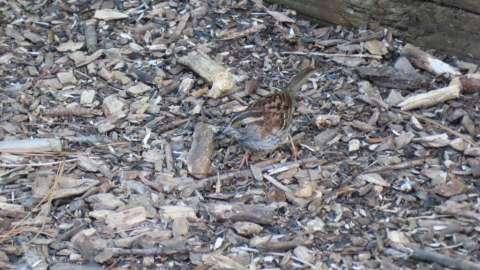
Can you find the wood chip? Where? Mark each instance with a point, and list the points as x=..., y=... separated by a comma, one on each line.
x=199, y=155
x=126, y=219
x=109, y=14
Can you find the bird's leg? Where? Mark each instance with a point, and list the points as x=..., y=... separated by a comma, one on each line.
x=245, y=159
x=295, y=152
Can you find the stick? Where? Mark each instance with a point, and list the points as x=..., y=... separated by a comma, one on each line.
x=283, y=246
x=427, y=61
x=31, y=145
x=149, y=251
x=221, y=79
x=457, y=211
x=42, y=164
x=332, y=55
x=400, y=166
x=431, y=98
x=442, y=259
x=172, y=125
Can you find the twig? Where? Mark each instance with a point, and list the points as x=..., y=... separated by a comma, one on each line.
x=172, y=125
x=442, y=259
x=42, y=164
x=149, y=251
x=330, y=55
x=399, y=166
x=15, y=169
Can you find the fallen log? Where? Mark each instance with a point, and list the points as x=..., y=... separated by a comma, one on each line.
x=449, y=26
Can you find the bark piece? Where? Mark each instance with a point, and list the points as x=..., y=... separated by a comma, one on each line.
x=87, y=97
x=180, y=226
x=304, y=253
x=436, y=140
x=280, y=17
x=470, y=83
x=138, y=89
x=218, y=261
x=67, y=78
x=221, y=79
x=127, y=218
x=69, y=186
x=247, y=228
x=259, y=214
x=81, y=59
x=267, y=245
x=177, y=211
x=374, y=178
x=474, y=166
x=389, y=77
x=198, y=158
x=229, y=35
x=327, y=120
x=376, y=47
x=403, y=65
x=106, y=201
x=91, y=35
x=69, y=46
x=11, y=210
x=114, y=107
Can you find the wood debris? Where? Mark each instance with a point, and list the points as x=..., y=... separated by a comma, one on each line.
x=110, y=155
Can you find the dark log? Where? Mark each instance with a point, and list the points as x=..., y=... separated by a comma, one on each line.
x=449, y=26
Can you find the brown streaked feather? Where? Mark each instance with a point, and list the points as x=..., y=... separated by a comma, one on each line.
x=276, y=109
x=265, y=124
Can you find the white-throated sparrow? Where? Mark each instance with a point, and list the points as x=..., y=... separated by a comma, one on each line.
x=265, y=124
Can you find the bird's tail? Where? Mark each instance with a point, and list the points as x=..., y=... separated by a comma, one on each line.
x=301, y=78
